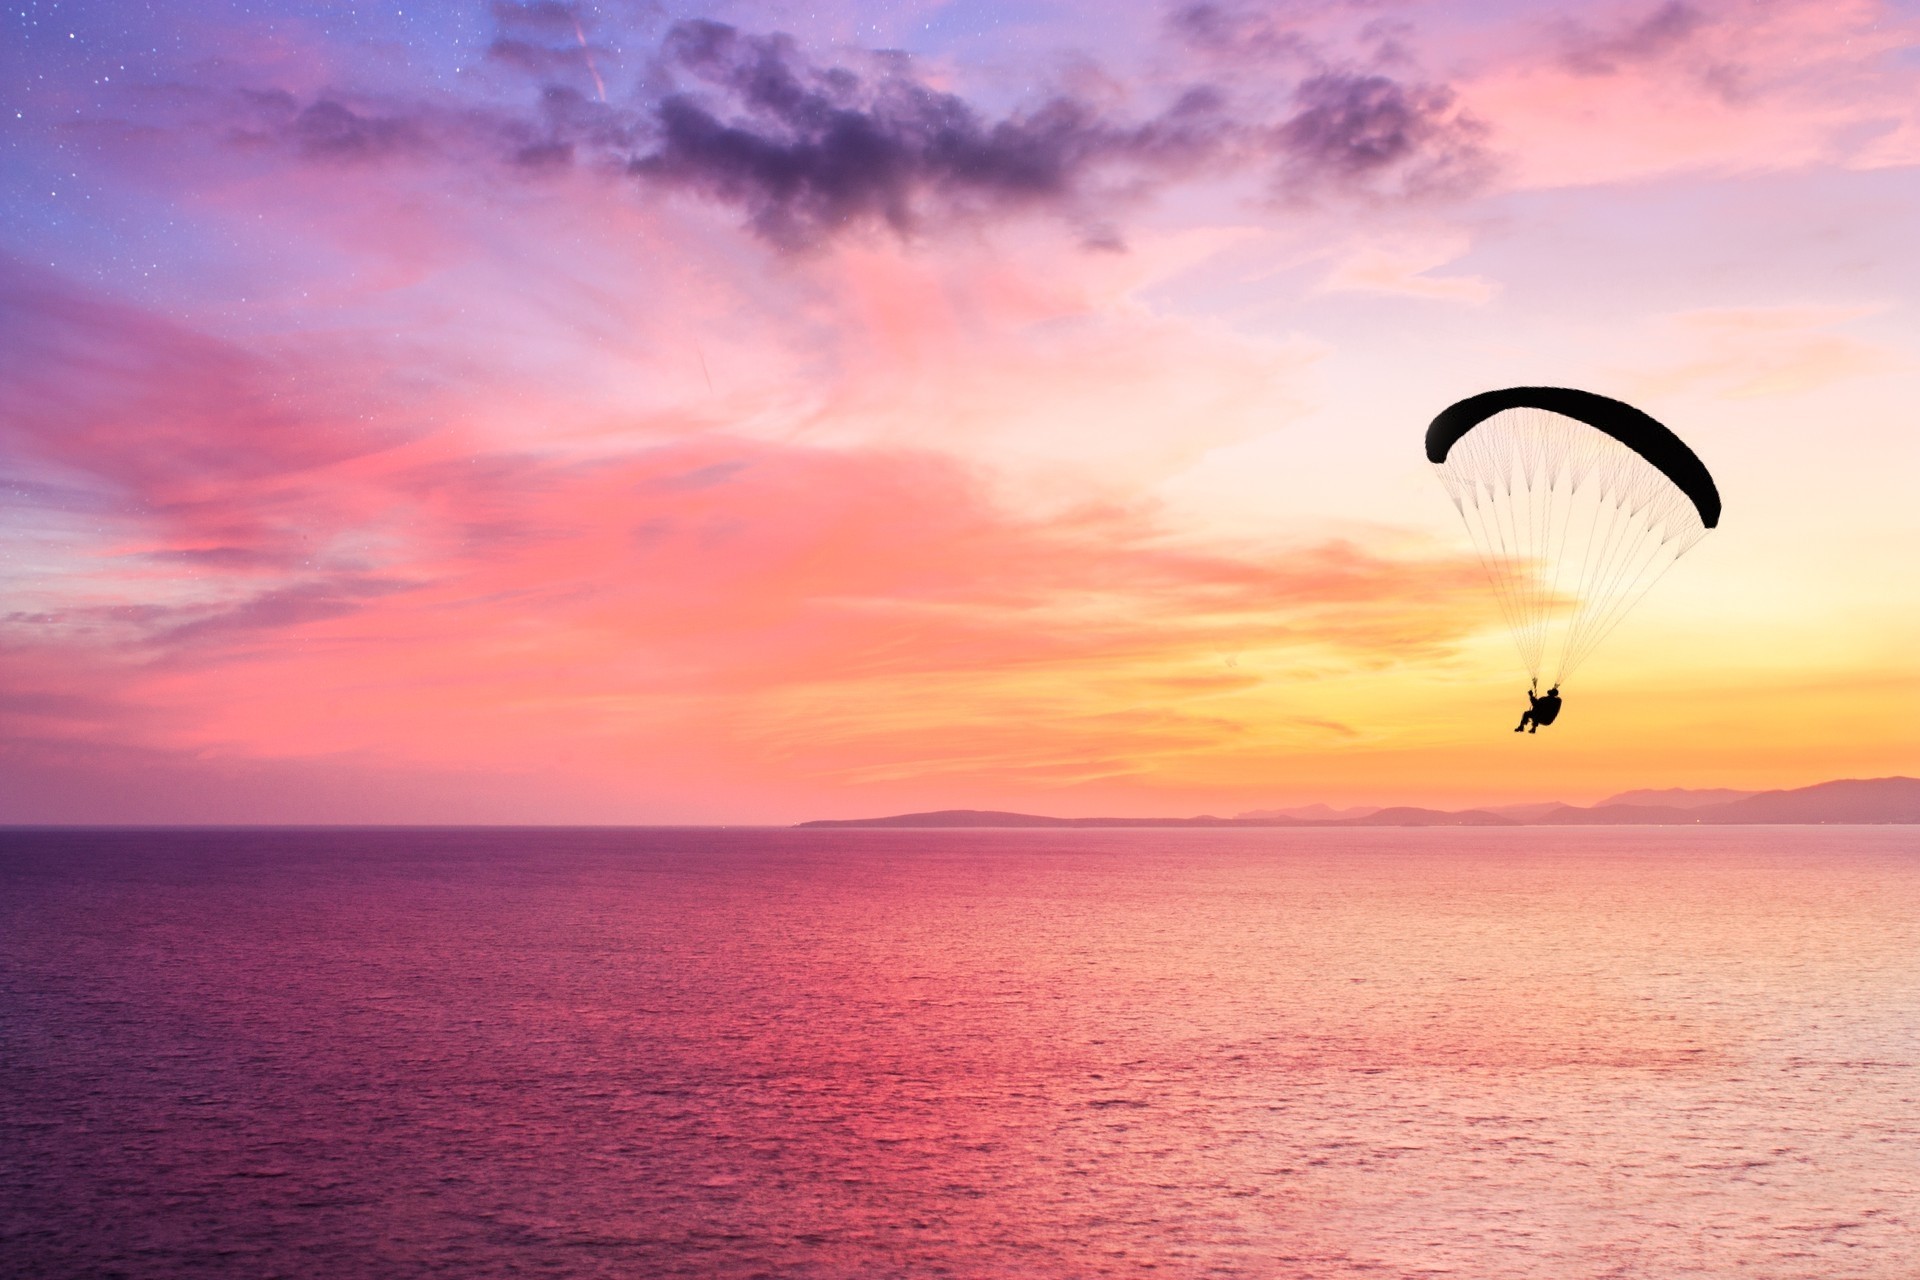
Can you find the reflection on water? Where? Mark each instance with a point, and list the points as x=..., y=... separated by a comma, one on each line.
x=1492, y=1054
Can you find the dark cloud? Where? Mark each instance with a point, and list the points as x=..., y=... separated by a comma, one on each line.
x=1263, y=32
x=329, y=129
x=807, y=151
x=1240, y=33
x=545, y=155
x=332, y=130
x=1355, y=130
x=1352, y=124
x=1604, y=53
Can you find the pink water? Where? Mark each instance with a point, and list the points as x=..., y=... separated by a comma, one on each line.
x=1559, y=1054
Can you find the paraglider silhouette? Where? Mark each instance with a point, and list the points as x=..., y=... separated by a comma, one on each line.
x=1543, y=711
x=1577, y=505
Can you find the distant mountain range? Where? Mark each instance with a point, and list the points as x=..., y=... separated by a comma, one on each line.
x=1851, y=800
x=1681, y=797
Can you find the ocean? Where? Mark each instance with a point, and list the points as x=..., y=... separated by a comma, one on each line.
x=1554, y=1053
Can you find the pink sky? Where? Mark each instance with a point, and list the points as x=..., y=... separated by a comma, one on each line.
x=868, y=408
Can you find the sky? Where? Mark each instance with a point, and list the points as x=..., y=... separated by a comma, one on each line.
x=746, y=413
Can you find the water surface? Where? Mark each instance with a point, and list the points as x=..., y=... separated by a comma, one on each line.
x=1587, y=1053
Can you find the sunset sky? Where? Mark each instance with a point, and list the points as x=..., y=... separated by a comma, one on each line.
x=633, y=412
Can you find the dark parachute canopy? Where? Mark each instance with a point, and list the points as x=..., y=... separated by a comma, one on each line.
x=1623, y=422
x=1577, y=504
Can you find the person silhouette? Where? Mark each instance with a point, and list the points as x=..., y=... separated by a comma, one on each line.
x=1541, y=712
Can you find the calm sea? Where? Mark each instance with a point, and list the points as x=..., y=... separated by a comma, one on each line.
x=1543, y=1053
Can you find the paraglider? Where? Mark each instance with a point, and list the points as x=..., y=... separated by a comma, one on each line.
x=1577, y=505
x=1542, y=711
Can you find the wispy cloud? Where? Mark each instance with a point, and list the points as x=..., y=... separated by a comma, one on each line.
x=1701, y=86
x=1638, y=39
x=1407, y=264
x=284, y=576
x=1741, y=352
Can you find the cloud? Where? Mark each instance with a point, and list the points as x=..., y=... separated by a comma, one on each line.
x=328, y=129
x=332, y=131
x=1262, y=37
x=1404, y=264
x=278, y=609
x=81, y=371
x=1703, y=87
x=1742, y=352
x=255, y=549
x=155, y=418
x=1241, y=34
x=1367, y=131
x=674, y=600
x=1049, y=367
x=809, y=150
x=211, y=476
x=1660, y=32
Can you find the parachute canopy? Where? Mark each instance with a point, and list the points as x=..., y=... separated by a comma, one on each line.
x=1577, y=504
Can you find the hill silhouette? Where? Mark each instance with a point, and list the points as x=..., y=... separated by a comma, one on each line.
x=1869, y=801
